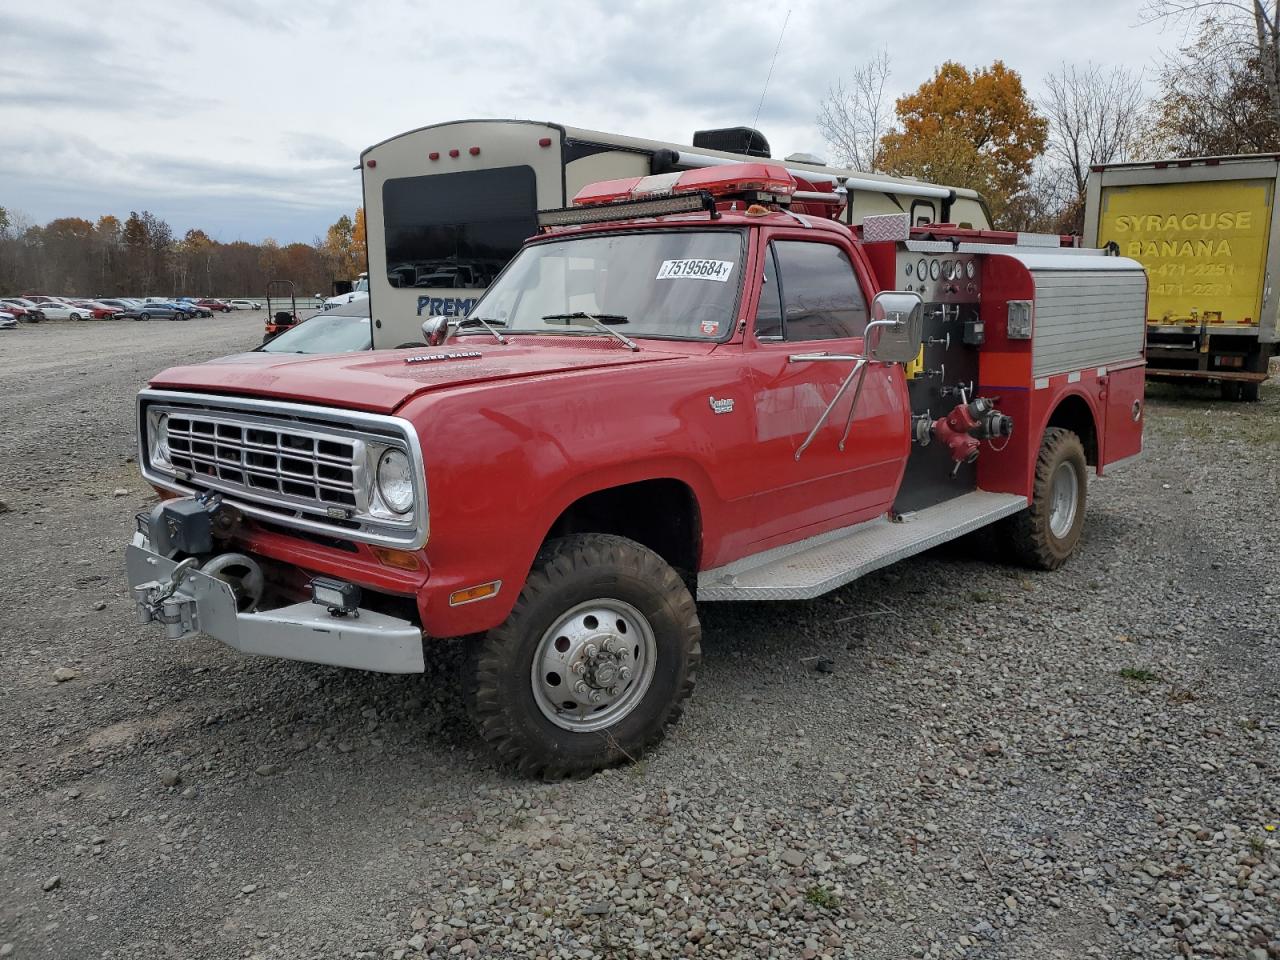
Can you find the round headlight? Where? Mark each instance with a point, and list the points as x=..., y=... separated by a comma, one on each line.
x=395, y=481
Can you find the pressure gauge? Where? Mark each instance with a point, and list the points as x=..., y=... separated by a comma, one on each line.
x=951, y=269
x=935, y=269
x=910, y=270
x=922, y=269
x=970, y=269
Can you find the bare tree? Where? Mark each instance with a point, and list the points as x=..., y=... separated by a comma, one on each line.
x=1095, y=116
x=855, y=115
x=1250, y=30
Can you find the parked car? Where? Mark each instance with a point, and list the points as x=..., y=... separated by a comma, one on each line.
x=215, y=305
x=341, y=330
x=162, y=311
x=54, y=310
x=8, y=321
x=24, y=310
x=99, y=309
x=245, y=304
x=190, y=309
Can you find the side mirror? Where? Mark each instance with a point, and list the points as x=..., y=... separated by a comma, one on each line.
x=435, y=331
x=899, y=317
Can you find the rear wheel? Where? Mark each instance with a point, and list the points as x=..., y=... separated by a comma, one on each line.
x=1045, y=534
x=595, y=661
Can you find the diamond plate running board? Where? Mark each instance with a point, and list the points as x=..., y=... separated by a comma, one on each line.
x=810, y=568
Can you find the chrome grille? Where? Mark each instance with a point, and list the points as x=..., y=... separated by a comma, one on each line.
x=300, y=465
x=285, y=461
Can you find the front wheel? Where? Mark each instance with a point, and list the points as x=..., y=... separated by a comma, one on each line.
x=596, y=660
x=1045, y=534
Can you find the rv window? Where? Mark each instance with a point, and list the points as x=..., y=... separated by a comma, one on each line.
x=457, y=229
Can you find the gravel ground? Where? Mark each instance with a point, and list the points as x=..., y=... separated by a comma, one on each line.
x=1000, y=764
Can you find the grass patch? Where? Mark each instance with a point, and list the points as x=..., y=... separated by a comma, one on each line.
x=1182, y=695
x=981, y=596
x=820, y=896
x=1139, y=674
x=1258, y=845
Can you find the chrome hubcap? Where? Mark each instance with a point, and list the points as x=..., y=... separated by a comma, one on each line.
x=1064, y=496
x=593, y=665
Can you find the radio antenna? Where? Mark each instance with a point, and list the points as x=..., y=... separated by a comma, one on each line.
x=769, y=75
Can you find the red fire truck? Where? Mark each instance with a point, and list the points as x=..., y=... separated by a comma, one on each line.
x=693, y=385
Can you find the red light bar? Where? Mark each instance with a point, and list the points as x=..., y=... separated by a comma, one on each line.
x=718, y=181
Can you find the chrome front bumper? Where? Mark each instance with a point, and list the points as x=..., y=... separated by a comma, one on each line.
x=200, y=603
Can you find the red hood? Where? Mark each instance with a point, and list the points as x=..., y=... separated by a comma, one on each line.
x=382, y=381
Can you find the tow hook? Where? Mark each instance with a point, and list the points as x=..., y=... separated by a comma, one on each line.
x=157, y=603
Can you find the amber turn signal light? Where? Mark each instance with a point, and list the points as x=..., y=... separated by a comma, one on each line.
x=399, y=559
x=471, y=594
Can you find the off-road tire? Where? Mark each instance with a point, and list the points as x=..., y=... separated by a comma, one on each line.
x=1027, y=535
x=567, y=572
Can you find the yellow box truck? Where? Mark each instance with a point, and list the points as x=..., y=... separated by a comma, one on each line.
x=1206, y=232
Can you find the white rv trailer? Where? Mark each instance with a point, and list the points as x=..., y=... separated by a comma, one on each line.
x=446, y=206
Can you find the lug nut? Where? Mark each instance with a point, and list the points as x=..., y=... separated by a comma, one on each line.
x=578, y=667
x=580, y=687
x=624, y=674
x=594, y=696
x=591, y=650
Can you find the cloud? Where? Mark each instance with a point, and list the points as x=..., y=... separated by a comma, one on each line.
x=200, y=109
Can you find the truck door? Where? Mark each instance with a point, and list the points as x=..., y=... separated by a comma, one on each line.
x=811, y=302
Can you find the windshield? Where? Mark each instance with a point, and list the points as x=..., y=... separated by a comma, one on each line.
x=324, y=333
x=678, y=283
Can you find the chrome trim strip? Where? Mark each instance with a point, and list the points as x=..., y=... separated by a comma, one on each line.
x=412, y=539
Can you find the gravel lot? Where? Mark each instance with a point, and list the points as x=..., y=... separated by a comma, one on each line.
x=1001, y=763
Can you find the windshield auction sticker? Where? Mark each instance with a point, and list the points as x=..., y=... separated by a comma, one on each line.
x=717, y=270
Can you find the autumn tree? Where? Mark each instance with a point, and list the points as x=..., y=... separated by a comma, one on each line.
x=195, y=256
x=967, y=128
x=855, y=114
x=360, y=242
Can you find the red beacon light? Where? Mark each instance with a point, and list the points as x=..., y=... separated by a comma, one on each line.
x=665, y=194
x=769, y=181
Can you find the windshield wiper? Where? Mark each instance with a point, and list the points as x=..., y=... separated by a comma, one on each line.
x=600, y=321
x=487, y=324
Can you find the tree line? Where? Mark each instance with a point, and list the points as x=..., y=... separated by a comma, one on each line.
x=1218, y=94
x=142, y=256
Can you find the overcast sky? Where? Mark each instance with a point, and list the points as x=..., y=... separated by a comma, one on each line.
x=246, y=118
